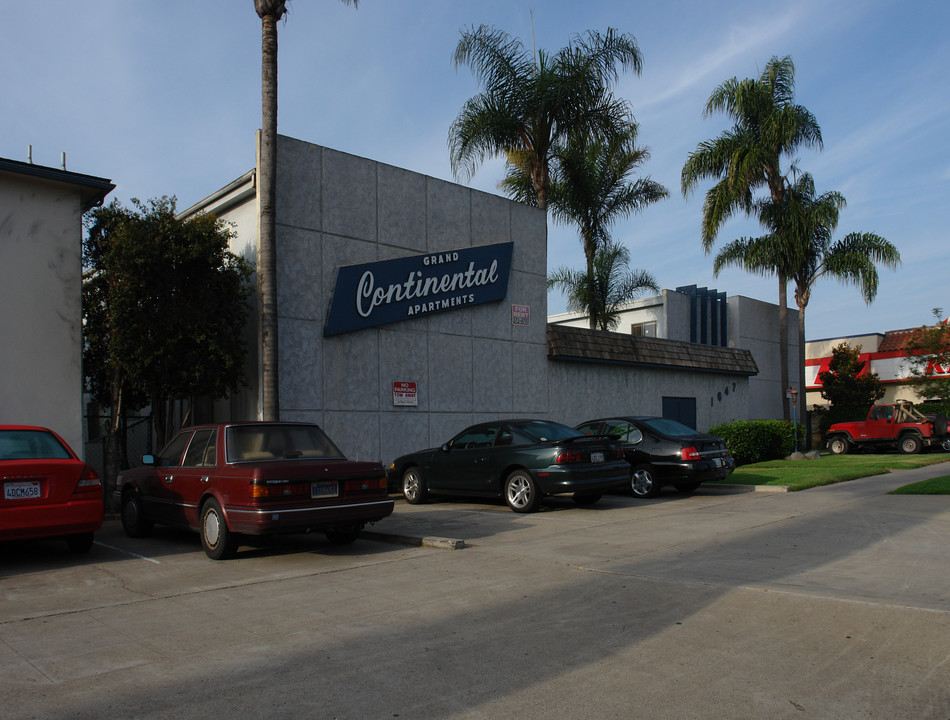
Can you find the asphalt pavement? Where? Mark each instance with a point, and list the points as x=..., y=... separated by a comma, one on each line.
x=828, y=603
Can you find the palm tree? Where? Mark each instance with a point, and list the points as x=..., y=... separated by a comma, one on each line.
x=768, y=126
x=269, y=11
x=602, y=292
x=526, y=108
x=800, y=245
x=591, y=188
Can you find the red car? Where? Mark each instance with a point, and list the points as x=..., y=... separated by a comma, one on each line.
x=47, y=490
x=262, y=478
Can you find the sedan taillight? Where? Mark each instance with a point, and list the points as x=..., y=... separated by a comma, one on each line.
x=690, y=453
x=566, y=457
x=278, y=490
x=88, y=481
x=366, y=484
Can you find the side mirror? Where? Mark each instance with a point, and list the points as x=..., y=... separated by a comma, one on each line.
x=148, y=460
x=445, y=447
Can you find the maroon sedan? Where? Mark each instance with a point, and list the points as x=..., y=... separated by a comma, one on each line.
x=47, y=490
x=261, y=478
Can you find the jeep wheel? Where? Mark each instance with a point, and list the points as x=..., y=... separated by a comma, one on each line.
x=839, y=445
x=911, y=444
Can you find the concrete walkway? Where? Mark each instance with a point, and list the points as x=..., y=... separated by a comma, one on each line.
x=827, y=603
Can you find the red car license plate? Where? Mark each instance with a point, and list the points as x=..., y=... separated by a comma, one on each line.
x=326, y=489
x=21, y=490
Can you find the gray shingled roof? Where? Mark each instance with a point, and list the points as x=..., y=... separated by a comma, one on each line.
x=583, y=345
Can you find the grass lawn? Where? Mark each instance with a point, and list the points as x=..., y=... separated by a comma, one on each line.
x=803, y=474
x=933, y=486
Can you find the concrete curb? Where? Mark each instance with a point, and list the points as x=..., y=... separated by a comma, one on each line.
x=435, y=543
x=748, y=488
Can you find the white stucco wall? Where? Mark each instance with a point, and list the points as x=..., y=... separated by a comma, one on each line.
x=41, y=296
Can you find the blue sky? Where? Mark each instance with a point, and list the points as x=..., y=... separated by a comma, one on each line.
x=163, y=97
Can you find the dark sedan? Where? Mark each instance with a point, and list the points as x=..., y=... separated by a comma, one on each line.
x=519, y=460
x=665, y=452
x=253, y=479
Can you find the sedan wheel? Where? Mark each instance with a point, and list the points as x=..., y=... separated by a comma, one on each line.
x=219, y=542
x=521, y=493
x=414, y=487
x=643, y=482
x=134, y=521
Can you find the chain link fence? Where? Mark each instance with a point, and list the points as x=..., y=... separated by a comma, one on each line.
x=138, y=442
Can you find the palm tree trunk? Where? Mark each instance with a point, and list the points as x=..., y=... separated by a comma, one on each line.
x=590, y=249
x=783, y=340
x=267, y=269
x=805, y=442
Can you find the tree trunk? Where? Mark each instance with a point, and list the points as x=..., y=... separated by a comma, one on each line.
x=783, y=340
x=267, y=269
x=111, y=451
x=590, y=249
x=804, y=443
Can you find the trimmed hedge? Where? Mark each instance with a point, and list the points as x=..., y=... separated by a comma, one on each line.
x=752, y=441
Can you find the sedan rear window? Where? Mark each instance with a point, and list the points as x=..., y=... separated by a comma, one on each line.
x=31, y=445
x=668, y=427
x=544, y=431
x=246, y=443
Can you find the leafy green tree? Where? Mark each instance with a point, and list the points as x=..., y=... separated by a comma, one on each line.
x=850, y=391
x=930, y=361
x=800, y=245
x=164, y=303
x=767, y=126
x=602, y=293
x=528, y=106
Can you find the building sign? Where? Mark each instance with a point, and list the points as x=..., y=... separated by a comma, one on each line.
x=892, y=366
x=520, y=314
x=404, y=393
x=405, y=288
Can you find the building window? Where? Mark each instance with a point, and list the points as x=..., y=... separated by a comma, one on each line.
x=647, y=329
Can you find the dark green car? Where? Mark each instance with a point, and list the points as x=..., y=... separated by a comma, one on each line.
x=519, y=460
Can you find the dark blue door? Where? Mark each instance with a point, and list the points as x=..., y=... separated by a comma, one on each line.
x=682, y=409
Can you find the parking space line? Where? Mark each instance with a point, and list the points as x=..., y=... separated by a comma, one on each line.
x=129, y=552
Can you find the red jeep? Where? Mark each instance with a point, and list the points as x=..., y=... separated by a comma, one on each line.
x=899, y=425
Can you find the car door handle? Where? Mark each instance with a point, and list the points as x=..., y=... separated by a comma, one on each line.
x=205, y=478
x=169, y=478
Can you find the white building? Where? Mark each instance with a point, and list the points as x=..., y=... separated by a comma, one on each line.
x=41, y=211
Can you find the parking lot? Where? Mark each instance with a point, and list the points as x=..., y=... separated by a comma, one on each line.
x=828, y=603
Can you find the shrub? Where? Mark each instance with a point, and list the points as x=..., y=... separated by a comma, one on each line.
x=752, y=441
